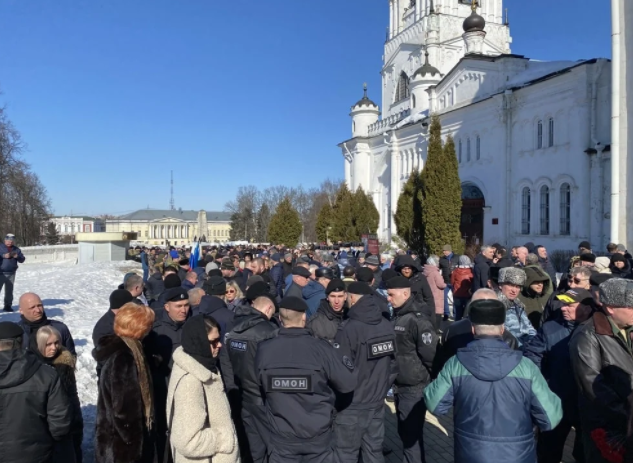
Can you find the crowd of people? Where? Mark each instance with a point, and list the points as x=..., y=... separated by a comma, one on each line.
x=265, y=354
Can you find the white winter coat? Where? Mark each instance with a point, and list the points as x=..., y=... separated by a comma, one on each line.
x=200, y=432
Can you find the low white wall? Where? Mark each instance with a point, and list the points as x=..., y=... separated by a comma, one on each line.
x=45, y=254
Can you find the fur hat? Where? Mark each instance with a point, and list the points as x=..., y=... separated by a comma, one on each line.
x=487, y=312
x=617, y=292
x=512, y=275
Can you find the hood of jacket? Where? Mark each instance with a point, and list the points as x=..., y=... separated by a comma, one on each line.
x=407, y=261
x=17, y=366
x=489, y=358
x=535, y=274
x=311, y=289
x=246, y=317
x=366, y=310
x=430, y=269
x=108, y=346
x=326, y=309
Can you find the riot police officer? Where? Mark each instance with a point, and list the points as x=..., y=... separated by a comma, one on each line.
x=296, y=375
x=331, y=312
x=416, y=341
x=370, y=339
x=252, y=326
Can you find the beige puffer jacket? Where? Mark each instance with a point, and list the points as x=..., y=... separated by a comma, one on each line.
x=201, y=429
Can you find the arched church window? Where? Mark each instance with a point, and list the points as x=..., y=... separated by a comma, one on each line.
x=468, y=150
x=550, y=133
x=526, y=206
x=539, y=135
x=565, y=209
x=402, y=91
x=459, y=152
x=478, y=148
x=544, y=210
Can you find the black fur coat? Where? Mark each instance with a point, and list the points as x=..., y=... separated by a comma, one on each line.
x=121, y=434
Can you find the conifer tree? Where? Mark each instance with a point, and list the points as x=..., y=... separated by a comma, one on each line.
x=324, y=222
x=364, y=214
x=285, y=224
x=343, y=228
x=441, y=194
x=52, y=235
x=408, y=216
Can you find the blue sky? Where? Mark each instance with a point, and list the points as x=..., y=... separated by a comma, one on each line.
x=110, y=95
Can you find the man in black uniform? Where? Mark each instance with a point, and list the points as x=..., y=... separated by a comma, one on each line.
x=252, y=326
x=370, y=339
x=415, y=342
x=297, y=375
x=331, y=312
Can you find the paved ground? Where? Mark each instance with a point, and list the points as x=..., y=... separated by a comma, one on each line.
x=438, y=439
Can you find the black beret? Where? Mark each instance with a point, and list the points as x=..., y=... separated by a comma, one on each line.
x=365, y=275
x=172, y=281
x=215, y=286
x=293, y=303
x=257, y=289
x=119, y=298
x=324, y=272
x=597, y=279
x=398, y=282
x=10, y=330
x=335, y=286
x=301, y=271
x=176, y=294
x=215, y=272
x=487, y=312
x=388, y=274
x=183, y=261
x=588, y=257
x=359, y=287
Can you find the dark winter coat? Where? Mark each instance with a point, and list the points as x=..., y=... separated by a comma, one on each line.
x=552, y=307
x=35, y=408
x=497, y=396
x=10, y=265
x=547, y=266
x=121, y=435
x=458, y=335
x=104, y=327
x=370, y=341
x=447, y=265
x=216, y=308
x=287, y=268
x=65, y=364
x=416, y=342
x=623, y=272
x=420, y=287
x=325, y=322
x=30, y=329
x=251, y=328
x=602, y=362
x=294, y=290
x=481, y=272
x=154, y=286
x=535, y=302
x=277, y=278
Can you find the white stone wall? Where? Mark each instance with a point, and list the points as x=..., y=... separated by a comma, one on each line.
x=48, y=254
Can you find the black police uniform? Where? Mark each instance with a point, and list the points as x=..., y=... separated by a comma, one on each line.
x=297, y=374
x=416, y=341
x=251, y=328
x=370, y=339
x=326, y=321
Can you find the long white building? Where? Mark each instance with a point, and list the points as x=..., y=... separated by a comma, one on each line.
x=533, y=138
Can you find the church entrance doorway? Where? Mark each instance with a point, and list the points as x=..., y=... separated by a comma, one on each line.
x=472, y=221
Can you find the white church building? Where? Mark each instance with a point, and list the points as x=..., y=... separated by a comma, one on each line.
x=533, y=138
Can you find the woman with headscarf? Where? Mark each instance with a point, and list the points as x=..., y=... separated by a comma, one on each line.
x=198, y=413
x=49, y=349
x=620, y=266
x=125, y=408
x=462, y=280
x=436, y=282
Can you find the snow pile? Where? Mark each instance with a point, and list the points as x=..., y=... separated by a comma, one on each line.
x=413, y=118
x=537, y=70
x=78, y=296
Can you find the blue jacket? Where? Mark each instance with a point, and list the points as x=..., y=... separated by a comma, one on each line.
x=313, y=292
x=549, y=350
x=497, y=396
x=10, y=265
x=144, y=263
x=277, y=278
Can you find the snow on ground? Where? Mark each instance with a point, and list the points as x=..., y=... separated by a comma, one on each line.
x=78, y=296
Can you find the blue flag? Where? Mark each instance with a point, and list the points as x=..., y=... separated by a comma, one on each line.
x=195, y=256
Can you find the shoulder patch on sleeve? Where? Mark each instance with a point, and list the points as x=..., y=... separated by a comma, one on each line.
x=427, y=337
x=348, y=363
